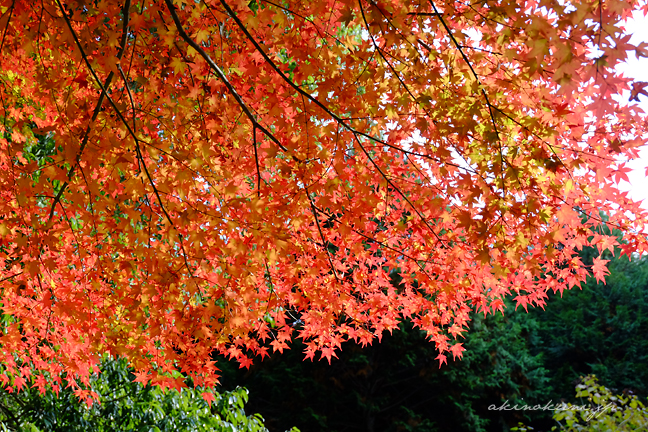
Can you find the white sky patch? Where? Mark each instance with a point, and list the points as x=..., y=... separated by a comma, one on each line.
x=638, y=70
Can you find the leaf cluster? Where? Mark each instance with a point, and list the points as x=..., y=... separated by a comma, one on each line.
x=124, y=405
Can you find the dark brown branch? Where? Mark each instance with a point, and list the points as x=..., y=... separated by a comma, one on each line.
x=256, y=160
x=339, y=120
x=132, y=134
x=386, y=246
x=397, y=189
x=10, y=276
x=4, y=33
x=288, y=80
x=319, y=228
x=424, y=14
x=221, y=75
x=102, y=96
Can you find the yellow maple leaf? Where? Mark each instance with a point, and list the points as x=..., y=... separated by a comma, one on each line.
x=178, y=65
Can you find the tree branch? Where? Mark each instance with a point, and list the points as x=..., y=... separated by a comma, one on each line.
x=102, y=96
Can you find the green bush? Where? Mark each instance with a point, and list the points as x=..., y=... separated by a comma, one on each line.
x=124, y=405
x=599, y=410
x=604, y=411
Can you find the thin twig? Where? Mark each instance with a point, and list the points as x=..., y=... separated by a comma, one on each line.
x=339, y=120
x=102, y=96
x=220, y=74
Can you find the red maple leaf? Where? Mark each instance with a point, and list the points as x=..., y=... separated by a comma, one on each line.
x=209, y=397
x=638, y=88
x=600, y=270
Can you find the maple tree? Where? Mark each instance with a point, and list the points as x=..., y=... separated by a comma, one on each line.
x=180, y=178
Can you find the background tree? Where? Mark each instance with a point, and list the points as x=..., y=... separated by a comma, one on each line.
x=515, y=358
x=219, y=166
x=396, y=385
x=598, y=330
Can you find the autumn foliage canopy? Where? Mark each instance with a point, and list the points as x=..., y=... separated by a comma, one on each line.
x=179, y=178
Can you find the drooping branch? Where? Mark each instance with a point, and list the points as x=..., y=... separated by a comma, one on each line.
x=131, y=133
x=4, y=33
x=221, y=75
x=339, y=120
x=102, y=96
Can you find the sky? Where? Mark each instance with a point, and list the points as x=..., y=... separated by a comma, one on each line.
x=638, y=69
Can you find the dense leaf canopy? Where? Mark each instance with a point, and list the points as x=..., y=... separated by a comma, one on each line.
x=179, y=178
